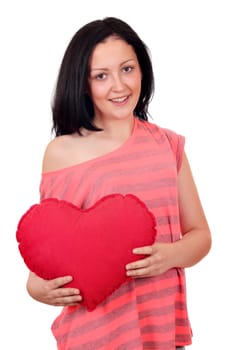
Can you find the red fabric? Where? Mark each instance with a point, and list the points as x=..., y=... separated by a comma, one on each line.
x=56, y=238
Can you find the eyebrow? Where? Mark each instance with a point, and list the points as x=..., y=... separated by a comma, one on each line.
x=127, y=61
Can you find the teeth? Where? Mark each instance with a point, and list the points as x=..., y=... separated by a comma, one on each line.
x=120, y=99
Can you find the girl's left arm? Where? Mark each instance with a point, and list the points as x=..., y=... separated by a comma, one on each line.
x=196, y=236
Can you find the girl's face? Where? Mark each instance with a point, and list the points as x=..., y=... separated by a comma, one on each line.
x=114, y=80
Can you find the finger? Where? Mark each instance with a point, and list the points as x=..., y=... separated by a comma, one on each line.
x=68, y=300
x=138, y=264
x=138, y=272
x=65, y=292
x=59, y=282
x=65, y=296
x=147, y=250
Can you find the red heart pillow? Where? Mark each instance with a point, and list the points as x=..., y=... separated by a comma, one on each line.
x=56, y=238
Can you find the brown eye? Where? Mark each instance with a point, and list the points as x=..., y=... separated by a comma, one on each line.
x=101, y=76
x=127, y=69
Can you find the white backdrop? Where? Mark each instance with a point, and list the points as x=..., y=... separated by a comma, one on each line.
x=191, y=45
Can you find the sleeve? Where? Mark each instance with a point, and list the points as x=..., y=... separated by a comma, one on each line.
x=47, y=186
x=177, y=143
x=42, y=188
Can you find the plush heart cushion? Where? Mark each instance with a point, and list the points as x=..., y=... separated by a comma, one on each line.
x=56, y=238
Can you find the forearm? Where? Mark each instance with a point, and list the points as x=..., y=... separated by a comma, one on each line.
x=191, y=248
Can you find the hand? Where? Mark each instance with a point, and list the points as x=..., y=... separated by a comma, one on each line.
x=51, y=292
x=157, y=261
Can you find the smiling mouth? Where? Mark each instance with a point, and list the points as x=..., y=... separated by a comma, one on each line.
x=120, y=99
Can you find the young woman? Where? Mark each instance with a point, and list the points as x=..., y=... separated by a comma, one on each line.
x=105, y=144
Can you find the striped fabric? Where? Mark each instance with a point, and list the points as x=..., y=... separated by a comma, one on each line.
x=149, y=313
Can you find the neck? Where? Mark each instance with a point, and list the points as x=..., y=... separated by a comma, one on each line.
x=117, y=126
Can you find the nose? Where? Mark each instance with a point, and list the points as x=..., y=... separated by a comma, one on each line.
x=117, y=82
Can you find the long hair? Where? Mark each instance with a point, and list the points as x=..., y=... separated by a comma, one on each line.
x=72, y=107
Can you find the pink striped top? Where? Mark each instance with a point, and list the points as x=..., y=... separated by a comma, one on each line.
x=149, y=313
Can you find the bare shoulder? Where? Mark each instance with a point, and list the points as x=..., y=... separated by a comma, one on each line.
x=68, y=150
x=59, y=152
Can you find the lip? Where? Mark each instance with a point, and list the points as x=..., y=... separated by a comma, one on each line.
x=119, y=101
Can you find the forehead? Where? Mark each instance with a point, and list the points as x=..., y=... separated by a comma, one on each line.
x=112, y=49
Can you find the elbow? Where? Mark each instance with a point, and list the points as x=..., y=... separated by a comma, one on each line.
x=206, y=243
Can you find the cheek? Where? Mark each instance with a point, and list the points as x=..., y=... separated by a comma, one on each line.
x=98, y=91
x=136, y=85
x=135, y=82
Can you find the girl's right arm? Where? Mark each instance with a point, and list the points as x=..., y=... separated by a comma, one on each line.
x=52, y=292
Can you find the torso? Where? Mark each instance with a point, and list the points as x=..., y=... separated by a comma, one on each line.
x=146, y=165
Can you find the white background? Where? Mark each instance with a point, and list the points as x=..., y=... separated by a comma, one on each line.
x=191, y=43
